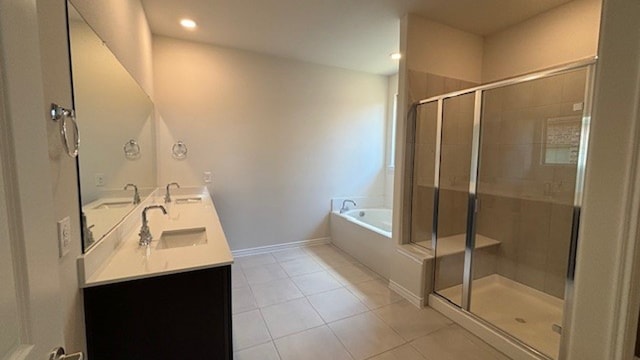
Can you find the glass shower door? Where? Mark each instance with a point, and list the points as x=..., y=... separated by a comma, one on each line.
x=452, y=203
x=529, y=147
x=424, y=165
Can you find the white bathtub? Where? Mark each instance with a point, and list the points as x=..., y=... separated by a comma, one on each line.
x=365, y=234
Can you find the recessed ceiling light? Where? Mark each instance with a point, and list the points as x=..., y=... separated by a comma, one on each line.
x=188, y=23
x=395, y=56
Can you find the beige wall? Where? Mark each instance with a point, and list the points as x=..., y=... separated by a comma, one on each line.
x=561, y=35
x=280, y=137
x=442, y=50
x=57, y=88
x=604, y=281
x=392, y=90
x=123, y=25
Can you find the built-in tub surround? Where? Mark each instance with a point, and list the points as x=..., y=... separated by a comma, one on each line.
x=366, y=235
x=119, y=257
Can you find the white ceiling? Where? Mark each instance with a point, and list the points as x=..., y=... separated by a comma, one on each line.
x=352, y=34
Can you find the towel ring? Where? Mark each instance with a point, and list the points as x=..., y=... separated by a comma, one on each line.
x=179, y=150
x=61, y=115
x=131, y=149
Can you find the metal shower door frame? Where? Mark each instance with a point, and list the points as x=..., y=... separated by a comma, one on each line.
x=588, y=64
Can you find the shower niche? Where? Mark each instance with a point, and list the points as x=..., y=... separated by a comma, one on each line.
x=497, y=176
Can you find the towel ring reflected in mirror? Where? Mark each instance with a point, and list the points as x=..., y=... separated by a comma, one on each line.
x=179, y=150
x=131, y=149
x=63, y=116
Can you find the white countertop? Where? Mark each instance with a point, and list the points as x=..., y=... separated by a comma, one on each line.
x=130, y=261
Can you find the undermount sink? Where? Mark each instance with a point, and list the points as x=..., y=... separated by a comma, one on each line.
x=113, y=205
x=181, y=238
x=190, y=200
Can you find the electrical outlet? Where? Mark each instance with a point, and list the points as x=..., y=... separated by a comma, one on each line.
x=577, y=106
x=64, y=236
x=206, y=177
x=99, y=177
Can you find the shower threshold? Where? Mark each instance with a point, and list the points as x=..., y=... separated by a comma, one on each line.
x=521, y=311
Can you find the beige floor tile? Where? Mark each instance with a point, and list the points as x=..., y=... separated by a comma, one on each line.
x=315, y=344
x=264, y=273
x=316, y=283
x=455, y=343
x=238, y=279
x=249, y=330
x=289, y=254
x=374, y=293
x=242, y=300
x=301, y=266
x=333, y=259
x=261, y=352
x=255, y=260
x=275, y=292
x=290, y=317
x=329, y=252
x=365, y=335
x=337, y=304
x=411, y=322
x=350, y=274
x=404, y=352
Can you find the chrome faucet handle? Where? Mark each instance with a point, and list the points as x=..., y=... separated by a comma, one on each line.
x=136, y=194
x=344, y=207
x=167, y=195
x=145, y=232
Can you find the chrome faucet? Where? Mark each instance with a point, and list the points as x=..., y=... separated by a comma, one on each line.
x=145, y=232
x=136, y=194
x=344, y=207
x=87, y=234
x=167, y=195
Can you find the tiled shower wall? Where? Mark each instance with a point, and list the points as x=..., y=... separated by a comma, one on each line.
x=525, y=201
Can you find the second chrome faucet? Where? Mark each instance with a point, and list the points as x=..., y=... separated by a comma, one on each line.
x=167, y=195
x=136, y=194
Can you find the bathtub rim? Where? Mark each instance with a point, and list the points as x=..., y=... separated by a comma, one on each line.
x=379, y=231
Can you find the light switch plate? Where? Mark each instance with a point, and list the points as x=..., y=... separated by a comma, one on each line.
x=64, y=236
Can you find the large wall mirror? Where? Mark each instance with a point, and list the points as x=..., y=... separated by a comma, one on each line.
x=117, y=132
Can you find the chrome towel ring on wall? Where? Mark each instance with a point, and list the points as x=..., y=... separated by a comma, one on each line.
x=131, y=149
x=179, y=150
x=62, y=115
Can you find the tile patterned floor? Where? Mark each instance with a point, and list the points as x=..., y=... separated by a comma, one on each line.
x=320, y=303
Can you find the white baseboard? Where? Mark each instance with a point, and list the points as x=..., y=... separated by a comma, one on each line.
x=491, y=337
x=408, y=295
x=277, y=247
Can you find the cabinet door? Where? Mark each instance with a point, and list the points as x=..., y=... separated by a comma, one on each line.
x=178, y=316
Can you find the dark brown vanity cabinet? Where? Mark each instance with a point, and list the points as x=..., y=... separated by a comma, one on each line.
x=178, y=316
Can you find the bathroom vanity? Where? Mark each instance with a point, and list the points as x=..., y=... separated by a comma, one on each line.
x=168, y=300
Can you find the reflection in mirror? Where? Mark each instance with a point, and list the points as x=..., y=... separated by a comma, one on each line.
x=112, y=112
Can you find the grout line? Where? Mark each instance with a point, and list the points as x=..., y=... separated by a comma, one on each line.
x=340, y=341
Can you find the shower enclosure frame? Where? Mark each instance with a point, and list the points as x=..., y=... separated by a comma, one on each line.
x=589, y=65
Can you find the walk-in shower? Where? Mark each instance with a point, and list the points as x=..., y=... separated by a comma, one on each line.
x=497, y=184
